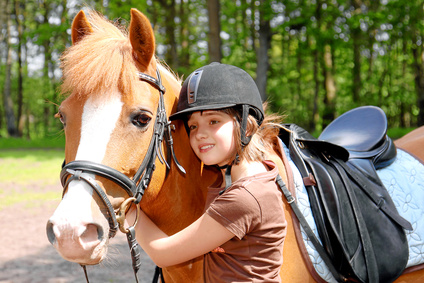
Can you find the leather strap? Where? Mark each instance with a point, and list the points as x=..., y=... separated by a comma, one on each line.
x=292, y=201
x=158, y=275
x=243, y=126
x=135, y=251
x=228, y=180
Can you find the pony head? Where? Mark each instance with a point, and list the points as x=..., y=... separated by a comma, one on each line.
x=108, y=116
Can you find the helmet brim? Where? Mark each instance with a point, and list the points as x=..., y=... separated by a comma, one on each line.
x=182, y=114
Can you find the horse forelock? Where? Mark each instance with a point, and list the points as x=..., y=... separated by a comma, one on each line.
x=101, y=61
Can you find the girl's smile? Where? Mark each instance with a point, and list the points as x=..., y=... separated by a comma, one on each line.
x=205, y=148
x=211, y=136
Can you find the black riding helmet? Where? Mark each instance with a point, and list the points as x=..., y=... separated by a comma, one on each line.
x=219, y=86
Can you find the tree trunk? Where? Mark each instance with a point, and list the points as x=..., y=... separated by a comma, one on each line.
x=356, y=71
x=214, y=45
x=315, y=114
x=184, y=60
x=46, y=77
x=171, y=55
x=18, y=8
x=405, y=116
x=3, y=18
x=7, y=92
x=419, y=83
x=330, y=87
x=262, y=57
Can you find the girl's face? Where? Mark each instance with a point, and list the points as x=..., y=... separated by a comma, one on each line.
x=211, y=137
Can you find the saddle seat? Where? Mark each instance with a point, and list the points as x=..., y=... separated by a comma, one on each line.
x=362, y=131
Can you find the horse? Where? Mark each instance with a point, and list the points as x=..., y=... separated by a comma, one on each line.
x=113, y=84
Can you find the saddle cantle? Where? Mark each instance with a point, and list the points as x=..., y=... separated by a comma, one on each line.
x=358, y=224
x=362, y=131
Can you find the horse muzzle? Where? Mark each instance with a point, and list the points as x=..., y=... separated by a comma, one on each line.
x=78, y=229
x=83, y=243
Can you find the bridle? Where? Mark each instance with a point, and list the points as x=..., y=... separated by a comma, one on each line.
x=135, y=187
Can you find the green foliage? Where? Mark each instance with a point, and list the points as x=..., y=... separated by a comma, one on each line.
x=387, y=36
x=396, y=133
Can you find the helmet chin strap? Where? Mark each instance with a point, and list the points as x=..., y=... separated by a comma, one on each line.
x=243, y=126
x=227, y=178
x=227, y=174
x=244, y=141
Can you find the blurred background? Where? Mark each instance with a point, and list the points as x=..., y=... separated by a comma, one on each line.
x=311, y=59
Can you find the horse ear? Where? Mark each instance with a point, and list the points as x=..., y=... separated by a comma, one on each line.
x=80, y=27
x=142, y=38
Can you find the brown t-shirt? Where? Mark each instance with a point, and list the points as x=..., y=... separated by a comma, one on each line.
x=252, y=209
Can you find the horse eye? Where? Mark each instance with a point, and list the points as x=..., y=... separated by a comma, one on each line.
x=61, y=117
x=141, y=120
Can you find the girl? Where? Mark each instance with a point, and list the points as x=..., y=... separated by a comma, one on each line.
x=242, y=230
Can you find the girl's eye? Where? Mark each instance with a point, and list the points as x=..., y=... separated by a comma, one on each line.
x=192, y=127
x=213, y=122
x=141, y=120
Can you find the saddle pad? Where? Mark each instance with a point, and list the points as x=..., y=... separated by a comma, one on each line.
x=404, y=180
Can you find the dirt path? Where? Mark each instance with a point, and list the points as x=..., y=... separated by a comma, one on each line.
x=27, y=256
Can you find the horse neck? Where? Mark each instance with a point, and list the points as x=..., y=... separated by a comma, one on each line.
x=181, y=199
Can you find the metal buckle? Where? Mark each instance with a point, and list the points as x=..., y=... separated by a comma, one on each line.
x=120, y=217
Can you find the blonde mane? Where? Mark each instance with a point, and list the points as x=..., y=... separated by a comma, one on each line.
x=101, y=61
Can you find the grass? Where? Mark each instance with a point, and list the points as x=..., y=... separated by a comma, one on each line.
x=25, y=166
x=57, y=141
x=29, y=175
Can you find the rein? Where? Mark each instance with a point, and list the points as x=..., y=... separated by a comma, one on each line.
x=134, y=187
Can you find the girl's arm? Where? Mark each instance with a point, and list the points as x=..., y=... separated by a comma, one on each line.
x=202, y=236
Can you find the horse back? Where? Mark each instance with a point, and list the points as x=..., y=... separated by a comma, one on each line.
x=413, y=143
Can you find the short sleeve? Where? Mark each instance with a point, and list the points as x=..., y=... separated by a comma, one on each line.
x=237, y=210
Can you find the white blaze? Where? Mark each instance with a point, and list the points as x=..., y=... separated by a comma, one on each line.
x=98, y=122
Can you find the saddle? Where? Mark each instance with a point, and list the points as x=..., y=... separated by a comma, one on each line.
x=361, y=232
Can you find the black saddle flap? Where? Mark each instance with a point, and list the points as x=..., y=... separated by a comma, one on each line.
x=356, y=219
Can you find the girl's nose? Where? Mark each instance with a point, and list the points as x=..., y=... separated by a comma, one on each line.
x=201, y=133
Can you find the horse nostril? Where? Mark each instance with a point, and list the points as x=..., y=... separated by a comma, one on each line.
x=50, y=233
x=92, y=233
